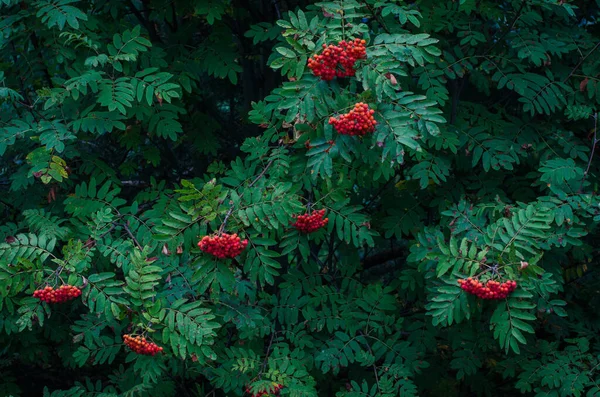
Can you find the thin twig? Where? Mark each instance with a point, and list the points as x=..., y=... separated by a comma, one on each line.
x=581, y=61
x=267, y=354
x=512, y=25
x=595, y=141
x=126, y=226
x=378, y=19
x=374, y=366
x=262, y=173
x=226, y=219
x=250, y=185
x=8, y=204
x=277, y=9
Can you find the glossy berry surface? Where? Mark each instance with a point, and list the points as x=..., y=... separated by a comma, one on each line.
x=223, y=246
x=359, y=121
x=309, y=223
x=490, y=290
x=337, y=60
x=64, y=293
x=139, y=344
x=272, y=391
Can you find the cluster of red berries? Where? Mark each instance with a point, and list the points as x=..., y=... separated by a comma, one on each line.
x=140, y=345
x=359, y=121
x=223, y=246
x=491, y=290
x=337, y=60
x=273, y=390
x=309, y=223
x=64, y=293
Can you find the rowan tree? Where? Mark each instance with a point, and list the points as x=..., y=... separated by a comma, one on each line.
x=297, y=198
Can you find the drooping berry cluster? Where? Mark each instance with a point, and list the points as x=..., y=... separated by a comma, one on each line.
x=272, y=391
x=140, y=345
x=64, y=293
x=337, y=60
x=490, y=290
x=359, y=121
x=223, y=246
x=309, y=223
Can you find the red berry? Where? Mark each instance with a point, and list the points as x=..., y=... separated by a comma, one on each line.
x=309, y=223
x=223, y=246
x=62, y=294
x=359, y=121
x=491, y=290
x=337, y=60
x=139, y=345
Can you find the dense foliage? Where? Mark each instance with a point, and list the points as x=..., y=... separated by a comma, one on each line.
x=421, y=220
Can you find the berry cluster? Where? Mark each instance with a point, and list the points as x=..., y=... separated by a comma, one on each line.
x=359, y=121
x=309, y=223
x=491, y=290
x=140, y=345
x=223, y=246
x=64, y=293
x=273, y=390
x=337, y=60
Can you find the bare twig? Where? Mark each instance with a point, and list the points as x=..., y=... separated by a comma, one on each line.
x=512, y=25
x=581, y=61
x=374, y=366
x=8, y=204
x=277, y=9
x=595, y=141
x=147, y=24
x=128, y=230
x=378, y=19
x=226, y=219
x=222, y=228
x=267, y=354
x=262, y=173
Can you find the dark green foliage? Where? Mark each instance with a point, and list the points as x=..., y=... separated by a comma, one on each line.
x=131, y=129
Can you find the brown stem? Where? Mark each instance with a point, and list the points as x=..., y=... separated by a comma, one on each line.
x=222, y=228
x=126, y=227
x=262, y=173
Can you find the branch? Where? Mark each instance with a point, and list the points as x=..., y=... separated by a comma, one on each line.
x=512, y=25
x=581, y=61
x=378, y=19
x=267, y=354
x=250, y=185
x=383, y=257
x=226, y=219
x=126, y=226
x=457, y=89
x=374, y=366
x=595, y=141
x=9, y=205
x=262, y=173
x=153, y=35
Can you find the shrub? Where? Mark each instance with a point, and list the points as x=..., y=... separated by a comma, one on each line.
x=413, y=214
